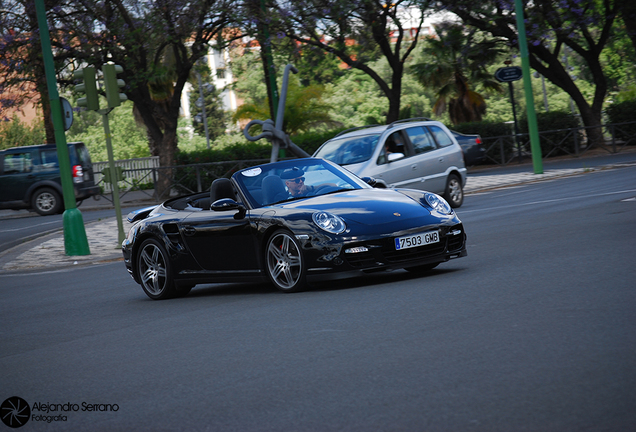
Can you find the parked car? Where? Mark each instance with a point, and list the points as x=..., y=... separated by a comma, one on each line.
x=292, y=222
x=413, y=153
x=472, y=146
x=30, y=177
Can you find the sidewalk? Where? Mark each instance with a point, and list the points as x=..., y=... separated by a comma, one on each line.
x=48, y=252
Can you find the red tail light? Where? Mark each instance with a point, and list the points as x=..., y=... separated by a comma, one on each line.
x=478, y=140
x=78, y=172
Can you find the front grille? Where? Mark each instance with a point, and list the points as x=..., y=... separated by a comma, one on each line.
x=383, y=251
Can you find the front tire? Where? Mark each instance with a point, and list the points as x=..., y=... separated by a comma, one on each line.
x=454, y=193
x=153, y=267
x=285, y=263
x=46, y=201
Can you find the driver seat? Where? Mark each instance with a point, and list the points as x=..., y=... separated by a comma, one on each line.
x=221, y=188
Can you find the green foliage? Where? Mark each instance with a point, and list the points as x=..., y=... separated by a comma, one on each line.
x=216, y=117
x=554, y=135
x=16, y=133
x=454, y=65
x=128, y=139
x=623, y=112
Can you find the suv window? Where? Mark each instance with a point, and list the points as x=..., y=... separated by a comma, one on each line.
x=17, y=163
x=49, y=158
x=442, y=138
x=421, y=139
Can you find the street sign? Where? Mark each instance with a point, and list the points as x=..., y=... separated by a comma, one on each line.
x=508, y=74
x=67, y=111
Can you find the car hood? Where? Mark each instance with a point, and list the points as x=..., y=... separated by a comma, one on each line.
x=365, y=206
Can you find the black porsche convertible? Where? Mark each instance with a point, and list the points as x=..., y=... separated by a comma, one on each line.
x=292, y=222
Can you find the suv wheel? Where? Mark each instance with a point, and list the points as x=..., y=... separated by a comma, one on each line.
x=454, y=193
x=46, y=201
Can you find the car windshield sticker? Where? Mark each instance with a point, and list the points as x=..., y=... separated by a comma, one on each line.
x=252, y=172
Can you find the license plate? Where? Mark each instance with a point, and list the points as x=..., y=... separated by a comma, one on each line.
x=416, y=240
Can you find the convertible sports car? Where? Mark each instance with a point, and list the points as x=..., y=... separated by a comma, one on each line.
x=292, y=222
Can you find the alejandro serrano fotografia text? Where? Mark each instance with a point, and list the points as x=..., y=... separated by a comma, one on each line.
x=69, y=407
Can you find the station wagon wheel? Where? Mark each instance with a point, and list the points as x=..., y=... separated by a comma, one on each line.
x=46, y=201
x=153, y=267
x=285, y=263
x=454, y=193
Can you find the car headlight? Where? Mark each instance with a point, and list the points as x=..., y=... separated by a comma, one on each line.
x=329, y=222
x=438, y=203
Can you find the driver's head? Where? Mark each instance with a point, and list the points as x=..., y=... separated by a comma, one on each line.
x=294, y=180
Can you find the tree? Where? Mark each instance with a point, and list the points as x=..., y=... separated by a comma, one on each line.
x=358, y=33
x=585, y=26
x=216, y=117
x=454, y=63
x=304, y=109
x=23, y=79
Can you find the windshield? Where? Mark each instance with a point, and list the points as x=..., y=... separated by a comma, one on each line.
x=351, y=150
x=292, y=180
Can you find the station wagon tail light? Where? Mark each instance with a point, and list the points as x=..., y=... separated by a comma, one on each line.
x=78, y=173
x=478, y=140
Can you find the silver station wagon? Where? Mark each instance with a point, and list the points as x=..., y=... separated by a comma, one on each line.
x=415, y=153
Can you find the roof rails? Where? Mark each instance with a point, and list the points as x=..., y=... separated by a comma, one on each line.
x=395, y=123
x=355, y=128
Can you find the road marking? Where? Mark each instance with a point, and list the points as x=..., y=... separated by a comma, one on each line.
x=30, y=226
x=549, y=201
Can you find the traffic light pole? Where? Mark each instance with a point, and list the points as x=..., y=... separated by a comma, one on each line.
x=113, y=174
x=75, y=240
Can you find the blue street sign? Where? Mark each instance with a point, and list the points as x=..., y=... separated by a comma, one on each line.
x=508, y=74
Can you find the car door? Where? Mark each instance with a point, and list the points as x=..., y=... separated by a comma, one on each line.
x=402, y=172
x=430, y=169
x=448, y=155
x=219, y=242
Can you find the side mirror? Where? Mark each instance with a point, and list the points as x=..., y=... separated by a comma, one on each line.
x=370, y=181
x=394, y=156
x=227, y=204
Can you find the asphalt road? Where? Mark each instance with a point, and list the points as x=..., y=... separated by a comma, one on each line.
x=534, y=331
x=17, y=227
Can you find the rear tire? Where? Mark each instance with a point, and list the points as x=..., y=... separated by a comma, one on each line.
x=46, y=201
x=454, y=193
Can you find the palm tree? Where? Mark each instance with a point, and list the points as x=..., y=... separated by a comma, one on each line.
x=304, y=109
x=455, y=63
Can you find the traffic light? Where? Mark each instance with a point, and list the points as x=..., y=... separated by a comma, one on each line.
x=88, y=86
x=112, y=85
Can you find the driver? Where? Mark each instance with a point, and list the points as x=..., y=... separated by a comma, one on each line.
x=295, y=182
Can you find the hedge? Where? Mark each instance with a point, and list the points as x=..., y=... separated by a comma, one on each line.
x=623, y=112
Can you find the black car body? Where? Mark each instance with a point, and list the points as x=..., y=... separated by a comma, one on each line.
x=250, y=228
x=30, y=177
x=472, y=147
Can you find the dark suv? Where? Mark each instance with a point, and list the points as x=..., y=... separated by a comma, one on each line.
x=30, y=177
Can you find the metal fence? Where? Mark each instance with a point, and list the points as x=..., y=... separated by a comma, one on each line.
x=145, y=174
x=505, y=149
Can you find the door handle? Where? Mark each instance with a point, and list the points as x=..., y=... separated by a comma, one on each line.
x=441, y=159
x=189, y=230
x=414, y=166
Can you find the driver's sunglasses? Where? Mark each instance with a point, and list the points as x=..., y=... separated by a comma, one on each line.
x=298, y=180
